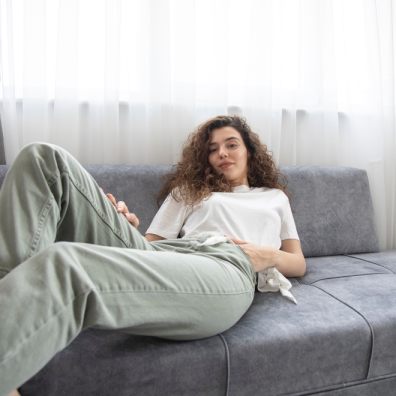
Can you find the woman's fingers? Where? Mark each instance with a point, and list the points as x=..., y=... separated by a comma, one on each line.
x=120, y=205
x=123, y=209
x=112, y=199
x=133, y=219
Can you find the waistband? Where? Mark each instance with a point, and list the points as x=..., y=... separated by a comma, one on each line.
x=219, y=248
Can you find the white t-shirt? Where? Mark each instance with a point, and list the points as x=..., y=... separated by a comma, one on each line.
x=258, y=215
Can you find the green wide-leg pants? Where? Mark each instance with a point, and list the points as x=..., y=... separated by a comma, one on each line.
x=69, y=261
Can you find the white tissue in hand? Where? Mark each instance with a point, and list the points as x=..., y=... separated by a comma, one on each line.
x=271, y=280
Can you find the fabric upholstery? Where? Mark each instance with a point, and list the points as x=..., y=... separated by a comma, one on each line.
x=137, y=185
x=378, y=387
x=288, y=348
x=333, y=209
x=112, y=363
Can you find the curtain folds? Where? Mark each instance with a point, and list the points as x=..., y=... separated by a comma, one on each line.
x=2, y=154
x=127, y=80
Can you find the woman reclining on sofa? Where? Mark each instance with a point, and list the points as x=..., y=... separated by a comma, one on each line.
x=70, y=259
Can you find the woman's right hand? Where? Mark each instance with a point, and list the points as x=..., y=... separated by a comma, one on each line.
x=123, y=209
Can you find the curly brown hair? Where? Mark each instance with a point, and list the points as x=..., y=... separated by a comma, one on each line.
x=194, y=179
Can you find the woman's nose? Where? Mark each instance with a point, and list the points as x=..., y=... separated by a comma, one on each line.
x=223, y=153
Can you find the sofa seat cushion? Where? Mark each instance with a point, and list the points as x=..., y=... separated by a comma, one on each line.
x=386, y=259
x=281, y=348
x=377, y=387
x=374, y=298
x=104, y=362
x=342, y=331
x=367, y=284
x=331, y=267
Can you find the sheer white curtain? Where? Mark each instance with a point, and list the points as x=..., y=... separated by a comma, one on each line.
x=127, y=80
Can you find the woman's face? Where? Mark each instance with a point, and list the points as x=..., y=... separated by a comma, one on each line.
x=228, y=155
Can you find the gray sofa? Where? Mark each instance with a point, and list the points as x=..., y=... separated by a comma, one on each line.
x=340, y=339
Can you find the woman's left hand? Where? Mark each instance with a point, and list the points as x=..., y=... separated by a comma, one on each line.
x=261, y=257
x=123, y=209
x=288, y=260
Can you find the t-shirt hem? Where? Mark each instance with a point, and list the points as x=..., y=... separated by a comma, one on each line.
x=159, y=233
x=286, y=236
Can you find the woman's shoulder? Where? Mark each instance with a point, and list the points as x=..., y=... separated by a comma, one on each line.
x=174, y=197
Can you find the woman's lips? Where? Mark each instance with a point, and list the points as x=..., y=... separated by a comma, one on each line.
x=225, y=166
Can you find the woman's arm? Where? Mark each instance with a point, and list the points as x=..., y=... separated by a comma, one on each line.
x=153, y=237
x=289, y=260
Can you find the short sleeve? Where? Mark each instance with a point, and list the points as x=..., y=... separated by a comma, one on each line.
x=288, y=225
x=169, y=219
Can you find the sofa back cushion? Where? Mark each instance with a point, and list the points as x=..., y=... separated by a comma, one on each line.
x=137, y=185
x=332, y=206
x=333, y=209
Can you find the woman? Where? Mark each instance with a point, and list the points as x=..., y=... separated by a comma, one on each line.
x=101, y=272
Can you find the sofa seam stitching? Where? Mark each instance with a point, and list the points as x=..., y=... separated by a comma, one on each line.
x=346, y=276
x=364, y=318
x=371, y=262
x=343, y=385
x=228, y=364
